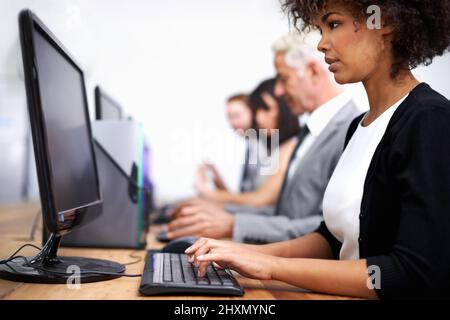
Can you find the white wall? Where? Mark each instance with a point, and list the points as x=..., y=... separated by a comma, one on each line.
x=171, y=64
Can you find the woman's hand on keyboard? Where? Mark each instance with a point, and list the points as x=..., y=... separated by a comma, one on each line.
x=227, y=254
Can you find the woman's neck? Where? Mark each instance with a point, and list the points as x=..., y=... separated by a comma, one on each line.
x=383, y=92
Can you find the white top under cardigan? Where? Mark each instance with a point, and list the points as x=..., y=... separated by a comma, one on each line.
x=342, y=199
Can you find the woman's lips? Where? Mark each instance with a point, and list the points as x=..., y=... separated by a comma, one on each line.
x=333, y=63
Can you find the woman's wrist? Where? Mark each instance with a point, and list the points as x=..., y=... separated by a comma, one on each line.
x=274, y=266
x=287, y=270
x=255, y=247
x=272, y=249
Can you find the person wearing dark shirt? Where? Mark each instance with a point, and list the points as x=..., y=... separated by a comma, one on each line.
x=386, y=209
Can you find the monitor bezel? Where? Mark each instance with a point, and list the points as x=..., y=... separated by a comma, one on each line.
x=99, y=94
x=57, y=222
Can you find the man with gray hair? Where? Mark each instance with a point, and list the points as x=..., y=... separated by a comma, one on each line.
x=308, y=87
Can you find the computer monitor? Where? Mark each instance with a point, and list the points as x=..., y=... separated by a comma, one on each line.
x=65, y=159
x=106, y=108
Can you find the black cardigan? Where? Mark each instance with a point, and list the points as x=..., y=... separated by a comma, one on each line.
x=405, y=208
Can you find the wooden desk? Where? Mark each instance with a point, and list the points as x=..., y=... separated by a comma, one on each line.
x=15, y=226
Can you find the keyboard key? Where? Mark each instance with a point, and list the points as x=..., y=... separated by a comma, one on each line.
x=200, y=280
x=177, y=273
x=203, y=280
x=212, y=276
x=225, y=277
x=189, y=275
x=184, y=259
x=158, y=268
x=167, y=268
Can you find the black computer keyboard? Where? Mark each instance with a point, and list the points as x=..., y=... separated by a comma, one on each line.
x=172, y=273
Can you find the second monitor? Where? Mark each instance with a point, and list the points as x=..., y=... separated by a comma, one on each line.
x=106, y=108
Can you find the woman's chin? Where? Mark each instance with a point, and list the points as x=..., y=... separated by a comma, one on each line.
x=344, y=79
x=339, y=79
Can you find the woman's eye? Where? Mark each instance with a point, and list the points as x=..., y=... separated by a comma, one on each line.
x=333, y=25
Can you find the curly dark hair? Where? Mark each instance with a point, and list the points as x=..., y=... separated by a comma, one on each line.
x=421, y=27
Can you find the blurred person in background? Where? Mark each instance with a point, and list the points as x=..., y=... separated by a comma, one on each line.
x=276, y=129
x=304, y=81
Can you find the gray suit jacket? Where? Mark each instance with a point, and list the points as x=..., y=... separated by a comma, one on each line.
x=301, y=202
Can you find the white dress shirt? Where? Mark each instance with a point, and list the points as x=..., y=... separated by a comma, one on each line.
x=342, y=199
x=316, y=122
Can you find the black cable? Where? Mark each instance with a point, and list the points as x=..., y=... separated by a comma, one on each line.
x=131, y=255
x=11, y=257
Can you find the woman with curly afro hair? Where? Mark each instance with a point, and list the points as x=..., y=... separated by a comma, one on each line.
x=386, y=229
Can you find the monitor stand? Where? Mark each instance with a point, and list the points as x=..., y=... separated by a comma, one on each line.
x=47, y=267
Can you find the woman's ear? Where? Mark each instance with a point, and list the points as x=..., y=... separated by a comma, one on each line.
x=386, y=29
x=387, y=33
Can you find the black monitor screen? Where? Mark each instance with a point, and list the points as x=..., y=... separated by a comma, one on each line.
x=61, y=89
